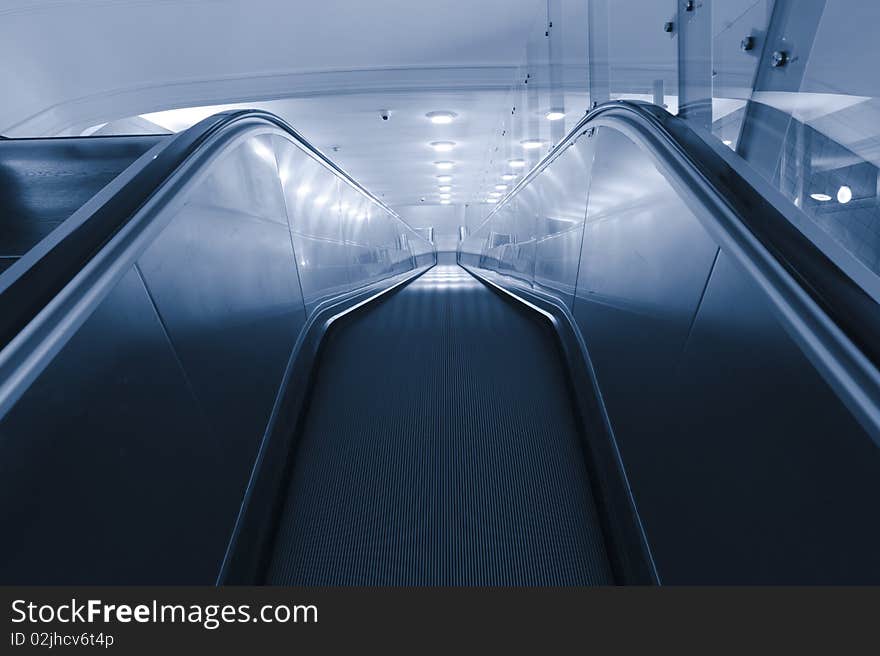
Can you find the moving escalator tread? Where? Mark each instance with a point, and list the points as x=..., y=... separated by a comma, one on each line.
x=440, y=446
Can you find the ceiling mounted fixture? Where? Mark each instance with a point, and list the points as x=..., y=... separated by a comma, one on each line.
x=444, y=188
x=531, y=144
x=494, y=194
x=442, y=146
x=441, y=118
x=445, y=201
x=444, y=178
x=444, y=196
x=444, y=165
x=501, y=187
x=509, y=176
x=555, y=115
x=492, y=200
x=516, y=163
x=844, y=195
x=822, y=198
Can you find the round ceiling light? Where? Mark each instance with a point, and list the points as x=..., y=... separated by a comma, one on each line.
x=444, y=165
x=441, y=118
x=444, y=178
x=442, y=146
x=508, y=176
x=531, y=144
x=516, y=163
x=822, y=198
x=844, y=195
x=444, y=188
x=555, y=115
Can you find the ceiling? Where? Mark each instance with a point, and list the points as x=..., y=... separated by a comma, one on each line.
x=327, y=67
x=393, y=158
x=81, y=62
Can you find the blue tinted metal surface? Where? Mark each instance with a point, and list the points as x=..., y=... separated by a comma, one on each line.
x=645, y=262
x=97, y=461
x=764, y=476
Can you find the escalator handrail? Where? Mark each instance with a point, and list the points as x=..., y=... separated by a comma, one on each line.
x=740, y=206
x=30, y=287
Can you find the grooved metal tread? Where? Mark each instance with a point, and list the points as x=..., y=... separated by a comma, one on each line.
x=440, y=447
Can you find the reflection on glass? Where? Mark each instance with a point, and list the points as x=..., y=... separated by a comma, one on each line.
x=810, y=125
x=342, y=238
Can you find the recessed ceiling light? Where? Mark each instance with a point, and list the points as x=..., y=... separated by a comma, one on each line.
x=555, y=115
x=491, y=200
x=444, y=178
x=727, y=142
x=844, y=195
x=516, y=163
x=444, y=165
x=445, y=201
x=442, y=146
x=508, y=176
x=494, y=194
x=501, y=187
x=445, y=195
x=441, y=118
x=820, y=197
x=444, y=188
x=531, y=144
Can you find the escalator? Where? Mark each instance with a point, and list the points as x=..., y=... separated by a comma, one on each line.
x=456, y=458
x=232, y=364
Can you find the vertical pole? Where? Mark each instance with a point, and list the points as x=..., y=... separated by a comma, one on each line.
x=694, y=27
x=555, y=53
x=599, y=82
x=658, y=93
x=790, y=34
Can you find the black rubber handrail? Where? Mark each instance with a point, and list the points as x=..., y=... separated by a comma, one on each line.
x=23, y=296
x=720, y=181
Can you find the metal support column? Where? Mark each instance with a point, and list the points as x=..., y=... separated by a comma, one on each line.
x=598, y=71
x=694, y=29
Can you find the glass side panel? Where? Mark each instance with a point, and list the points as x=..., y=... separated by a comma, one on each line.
x=739, y=30
x=563, y=190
